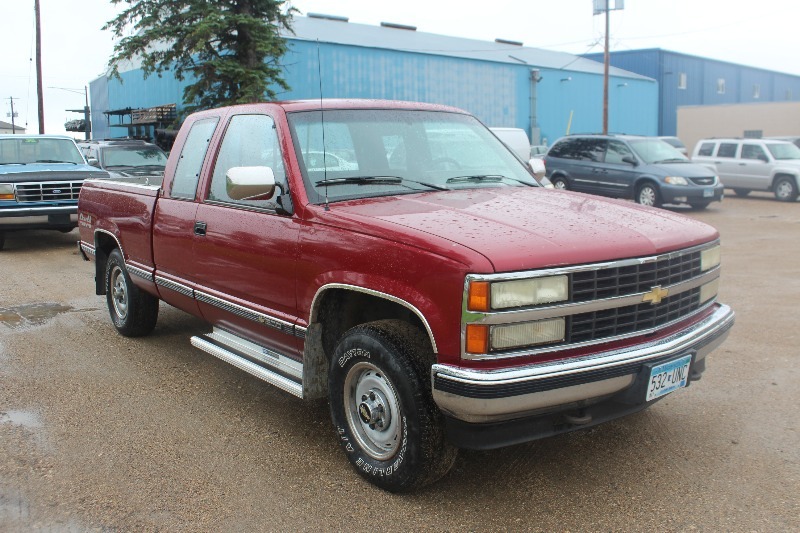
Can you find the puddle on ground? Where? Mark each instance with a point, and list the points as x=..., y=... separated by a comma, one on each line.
x=33, y=314
x=25, y=419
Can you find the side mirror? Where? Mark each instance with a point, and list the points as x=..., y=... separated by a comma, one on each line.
x=93, y=162
x=250, y=183
x=631, y=161
x=537, y=166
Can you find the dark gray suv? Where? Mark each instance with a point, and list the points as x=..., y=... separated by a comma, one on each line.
x=645, y=169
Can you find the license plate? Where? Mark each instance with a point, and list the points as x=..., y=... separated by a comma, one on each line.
x=708, y=193
x=668, y=377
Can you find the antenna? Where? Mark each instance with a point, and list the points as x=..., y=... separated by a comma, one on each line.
x=322, y=120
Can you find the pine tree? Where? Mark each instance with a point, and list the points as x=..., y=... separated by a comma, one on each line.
x=229, y=49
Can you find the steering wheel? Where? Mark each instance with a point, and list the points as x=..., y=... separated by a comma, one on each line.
x=445, y=163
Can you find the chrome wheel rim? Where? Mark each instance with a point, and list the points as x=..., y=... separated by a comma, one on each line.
x=372, y=411
x=119, y=293
x=559, y=184
x=647, y=196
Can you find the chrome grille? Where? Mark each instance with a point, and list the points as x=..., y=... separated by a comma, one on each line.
x=47, y=191
x=703, y=181
x=621, y=281
x=625, y=320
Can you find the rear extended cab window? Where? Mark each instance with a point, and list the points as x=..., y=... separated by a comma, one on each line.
x=187, y=172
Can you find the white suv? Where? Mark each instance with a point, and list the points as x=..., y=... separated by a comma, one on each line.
x=746, y=165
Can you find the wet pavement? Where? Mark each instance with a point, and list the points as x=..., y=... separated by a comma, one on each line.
x=103, y=433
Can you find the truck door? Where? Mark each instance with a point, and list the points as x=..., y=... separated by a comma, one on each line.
x=173, y=221
x=245, y=251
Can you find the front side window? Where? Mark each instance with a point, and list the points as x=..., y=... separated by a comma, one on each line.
x=727, y=150
x=249, y=141
x=753, y=151
x=385, y=152
x=187, y=172
x=617, y=151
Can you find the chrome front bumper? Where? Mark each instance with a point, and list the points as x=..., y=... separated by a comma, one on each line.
x=481, y=396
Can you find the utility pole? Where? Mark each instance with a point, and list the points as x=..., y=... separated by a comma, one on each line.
x=39, y=65
x=13, y=124
x=604, y=6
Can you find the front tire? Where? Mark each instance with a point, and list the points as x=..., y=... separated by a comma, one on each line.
x=133, y=311
x=785, y=189
x=559, y=182
x=647, y=194
x=382, y=408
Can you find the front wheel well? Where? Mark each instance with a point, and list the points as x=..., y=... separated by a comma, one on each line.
x=776, y=177
x=342, y=309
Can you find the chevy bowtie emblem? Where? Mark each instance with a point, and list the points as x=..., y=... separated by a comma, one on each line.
x=655, y=295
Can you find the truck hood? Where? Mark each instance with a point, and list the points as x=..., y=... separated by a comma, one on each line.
x=49, y=172
x=530, y=228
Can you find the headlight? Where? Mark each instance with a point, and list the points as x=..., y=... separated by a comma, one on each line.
x=527, y=334
x=6, y=191
x=709, y=290
x=525, y=292
x=709, y=258
x=676, y=180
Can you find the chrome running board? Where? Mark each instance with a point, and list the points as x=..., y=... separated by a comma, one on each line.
x=267, y=365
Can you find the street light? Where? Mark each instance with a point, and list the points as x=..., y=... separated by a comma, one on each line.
x=87, y=128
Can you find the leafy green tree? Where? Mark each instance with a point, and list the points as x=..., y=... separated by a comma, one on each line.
x=229, y=49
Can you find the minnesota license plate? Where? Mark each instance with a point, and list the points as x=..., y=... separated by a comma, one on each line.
x=668, y=377
x=708, y=193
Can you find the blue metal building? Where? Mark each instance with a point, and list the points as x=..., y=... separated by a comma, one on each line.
x=692, y=80
x=503, y=83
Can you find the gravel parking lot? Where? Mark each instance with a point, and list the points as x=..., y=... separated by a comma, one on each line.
x=103, y=433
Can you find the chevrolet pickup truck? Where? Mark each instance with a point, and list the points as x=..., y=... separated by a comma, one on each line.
x=420, y=279
x=40, y=178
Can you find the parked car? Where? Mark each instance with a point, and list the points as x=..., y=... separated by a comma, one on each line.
x=646, y=169
x=40, y=178
x=126, y=158
x=746, y=165
x=675, y=143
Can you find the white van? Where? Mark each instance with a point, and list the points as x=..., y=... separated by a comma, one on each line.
x=517, y=140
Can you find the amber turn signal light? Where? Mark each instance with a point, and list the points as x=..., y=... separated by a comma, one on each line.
x=478, y=299
x=477, y=338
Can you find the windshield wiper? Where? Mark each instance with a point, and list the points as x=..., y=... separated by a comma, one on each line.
x=55, y=161
x=487, y=178
x=13, y=163
x=672, y=160
x=372, y=180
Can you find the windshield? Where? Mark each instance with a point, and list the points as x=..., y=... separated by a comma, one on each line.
x=27, y=150
x=656, y=151
x=133, y=157
x=783, y=151
x=369, y=152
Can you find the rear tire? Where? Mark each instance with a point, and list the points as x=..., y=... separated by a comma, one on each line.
x=133, y=311
x=785, y=189
x=647, y=194
x=741, y=192
x=559, y=182
x=382, y=407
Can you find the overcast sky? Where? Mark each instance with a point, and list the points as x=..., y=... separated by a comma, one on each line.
x=76, y=50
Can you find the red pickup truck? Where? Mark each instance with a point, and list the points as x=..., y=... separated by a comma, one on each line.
x=399, y=260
